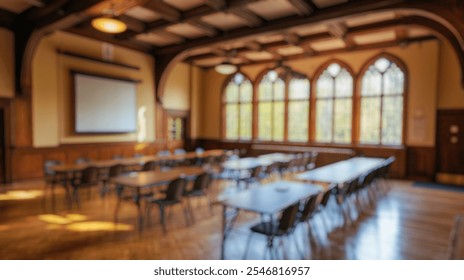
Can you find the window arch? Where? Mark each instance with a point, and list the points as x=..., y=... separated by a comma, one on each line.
x=382, y=102
x=283, y=106
x=238, y=104
x=334, y=104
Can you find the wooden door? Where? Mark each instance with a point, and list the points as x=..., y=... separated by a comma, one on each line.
x=450, y=146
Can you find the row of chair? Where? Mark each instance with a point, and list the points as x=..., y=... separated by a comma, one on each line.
x=177, y=193
x=360, y=192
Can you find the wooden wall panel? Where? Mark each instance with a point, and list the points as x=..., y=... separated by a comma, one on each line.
x=421, y=163
x=327, y=153
x=27, y=163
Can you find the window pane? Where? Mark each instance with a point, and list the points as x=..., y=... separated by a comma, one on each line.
x=343, y=84
x=370, y=120
x=298, y=113
x=232, y=92
x=299, y=89
x=278, y=121
x=279, y=90
x=342, y=122
x=246, y=92
x=324, y=120
x=392, y=120
x=265, y=91
x=246, y=115
x=371, y=83
x=325, y=86
x=265, y=120
x=231, y=121
x=393, y=81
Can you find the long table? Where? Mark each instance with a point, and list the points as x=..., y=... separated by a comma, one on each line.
x=342, y=171
x=268, y=199
x=137, y=181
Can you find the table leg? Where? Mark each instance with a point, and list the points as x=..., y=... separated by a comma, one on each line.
x=224, y=226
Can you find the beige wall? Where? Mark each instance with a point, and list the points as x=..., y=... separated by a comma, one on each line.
x=196, y=101
x=51, y=89
x=6, y=63
x=450, y=90
x=421, y=60
x=176, y=94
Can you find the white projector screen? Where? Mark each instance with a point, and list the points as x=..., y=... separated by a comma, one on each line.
x=104, y=105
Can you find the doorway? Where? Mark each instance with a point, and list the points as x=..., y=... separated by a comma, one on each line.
x=450, y=147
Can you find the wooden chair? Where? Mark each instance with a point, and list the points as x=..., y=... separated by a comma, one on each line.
x=88, y=179
x=200, y=189
x=51, y=178
x=173, y=196
x=149, y=166
x=272, y=229
x=113, y=171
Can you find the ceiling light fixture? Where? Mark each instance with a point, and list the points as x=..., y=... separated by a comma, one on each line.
x=108, y=23
x=226, y=67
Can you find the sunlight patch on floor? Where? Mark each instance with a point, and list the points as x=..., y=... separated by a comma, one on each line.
x=20, y=195
x=98, y=226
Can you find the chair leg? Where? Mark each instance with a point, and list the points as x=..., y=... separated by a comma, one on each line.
x=190, y=210
x=247, y=246
x=186, y=214
x=163, y=220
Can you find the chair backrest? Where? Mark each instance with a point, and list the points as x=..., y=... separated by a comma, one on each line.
x=202, y=182
x=149, y=166
x=176, y=189
x=288, y=218
x=89, y=176
x=179, y=151
x=82, y=160
x=163, y=153
x=48, y=165
x=310, y=207
x=256, y=172
x=115, y=170
x=326, y=196
x=351, y=186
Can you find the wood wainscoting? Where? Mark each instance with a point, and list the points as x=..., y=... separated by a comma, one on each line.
x=27, y=162
x=421, y=163
x=327, y=154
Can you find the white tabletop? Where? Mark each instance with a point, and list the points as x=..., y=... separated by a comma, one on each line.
x=245, y=163
x=342, y=171
x=273, y=197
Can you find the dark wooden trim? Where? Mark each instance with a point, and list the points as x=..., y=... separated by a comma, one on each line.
x=5, y=105
x=94, y=59
x=7, y=19
x=421, y=163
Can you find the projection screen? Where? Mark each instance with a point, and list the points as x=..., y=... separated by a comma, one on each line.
x=104, y=104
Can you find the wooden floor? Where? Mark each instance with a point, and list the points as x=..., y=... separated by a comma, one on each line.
x=408, y=223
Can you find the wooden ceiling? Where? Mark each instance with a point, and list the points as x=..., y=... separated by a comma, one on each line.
x=243, y=31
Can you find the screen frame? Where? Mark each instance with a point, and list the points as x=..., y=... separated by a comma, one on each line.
x=73, y=74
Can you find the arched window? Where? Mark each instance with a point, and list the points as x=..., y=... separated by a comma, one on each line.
x=271, y=107
x=334, y=105
x=298, y=108
x=283, y=106
x=238, y=104
x=381, y=109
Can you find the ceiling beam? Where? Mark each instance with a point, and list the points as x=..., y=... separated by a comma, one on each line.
x=170, y=36
x=7, y=19
x=218, y=5
x=337, y=51
x=303, y=7
x=166, y=11
x=318, y=16
x=133, y=23
x=250, y=18
x=208, y=29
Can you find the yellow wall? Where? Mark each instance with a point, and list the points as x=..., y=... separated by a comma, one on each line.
x=176, y=94
x=421, y=60
x=450, y=90
x=6, y=63
x=51, y=89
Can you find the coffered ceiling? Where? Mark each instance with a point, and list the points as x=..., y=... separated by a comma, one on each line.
x=158, y=27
